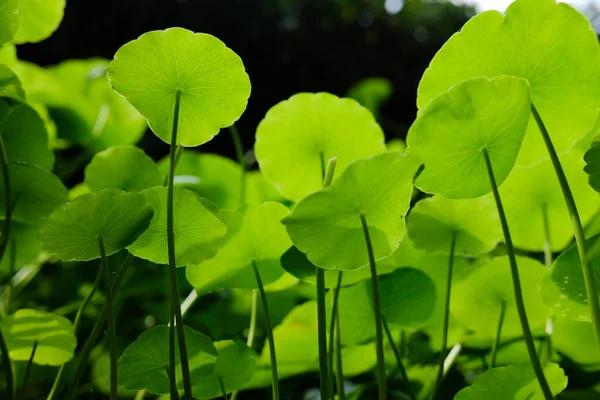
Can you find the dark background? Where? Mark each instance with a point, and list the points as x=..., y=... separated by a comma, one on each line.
x=287, y=46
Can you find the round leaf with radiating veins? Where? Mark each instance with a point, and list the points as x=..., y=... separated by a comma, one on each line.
x=144, y=364
x=72, y=231
x=477, y=300
x=55, y=336
x=563, y=287
x=212, y=176
x=532, y=194
x=38, y=19
x=27, y=245
x=24, y=135
x=514, y=382
x=298, y=136
x=327, y=224
x=199, y=231
x=450, y=134
x=372, y=93
x=212, y=81
x=408, y=299
x=235, y=366
x=561, y=62
x=123, y=167
x=255, y=234
x=474, y=224
x=295, y=262
x=35, y=192
x=10, y=85
x=9, y=20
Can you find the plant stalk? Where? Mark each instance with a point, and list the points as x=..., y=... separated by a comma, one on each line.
x=381, y=376
x=223, y=391
x=527, y=337
x=398, y=359
x=339, y=368
x=251, y=329
x=270, y=338
x=498, y=334
x=239, y=154
x=548, y=261
x=28, y=370
x=333, y=327
x=111, y=321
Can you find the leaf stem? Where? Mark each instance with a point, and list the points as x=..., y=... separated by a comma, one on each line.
x=111, y=321
x=175, y=306
x=251, y=328
x=448, y=362
x=398, y=359
x=28, y=369
x=332, y=329
x=548, y=261
x=171, y=371
x=527, y=337
x=339, y=373
x=239, y=154
x=498, y=334
x=223, y=391
x=381, y=376
x=270, y=338
x=588, y=273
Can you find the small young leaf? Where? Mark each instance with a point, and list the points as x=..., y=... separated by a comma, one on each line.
x=72, y=231
x=450, y=134
x=9, y=20
x=144, y=364
x=254, y=235
x=214, y=87
x=123, y=167
x=477, y=300
x=474, y=222
x=38, y=19
x=327, y=224
x=550, y=44
x=292, y=150
x=55, y=336
x=235, y=366
x=514, y=382
x=199, y=233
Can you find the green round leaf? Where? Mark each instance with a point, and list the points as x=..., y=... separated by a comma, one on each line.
x=10, y=85
x=38, y=19
x=9, y=20
x=254, y=235
x=372, y=93
x=433, y=222
x=327, y=224
x=561, y=62
x=477, y=301
x=35, y=192
x=258, y=190
x=576, y=340
x=530, y=192
x=407, y=296
x=214, y=86
x=235, y=366
x=451, y=132
x=72, y=231
x=563, y=287
x=123, y=167
x=145, y=362
x=55, y=336
x=24, y=135
x=515, y=382
x=27, y=245
x=199, y=233
x=212, y=176
x=298, y=136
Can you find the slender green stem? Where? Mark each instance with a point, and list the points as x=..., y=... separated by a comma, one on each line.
x=498, y=335
x=171, y=371
x=527, y=337
x=588, y=273
x=140, y=395
x=10, y=380
x=332, y=328
x=239, y=153
x=223, y=391
x=28, y=370
x=440, y=374
x=381, y=376
x=251, y=329
x=448, y=362
x=398, y=359
x=111, y=321
x=322, y=333
x=175, y=307
x=339, y=368
x=269, y=325
x=8, y=208
x=548, y=261
x=76, y=321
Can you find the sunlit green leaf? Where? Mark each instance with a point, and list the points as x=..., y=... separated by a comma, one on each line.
x=327, y=224
x=9, y=20
x=145, y=362
x=72, y=231
x=199, y=233
x=54, y=334
x=254, y=235
x=38, y=19
x=214, y=86
x=293, y=149
x=575, y=339
x=372, y=93
x=10, y=85
x=515, y=382
x=123, y=167
x=450, y=134
x=548, y=43
x=25, y=243
x=396, y=145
